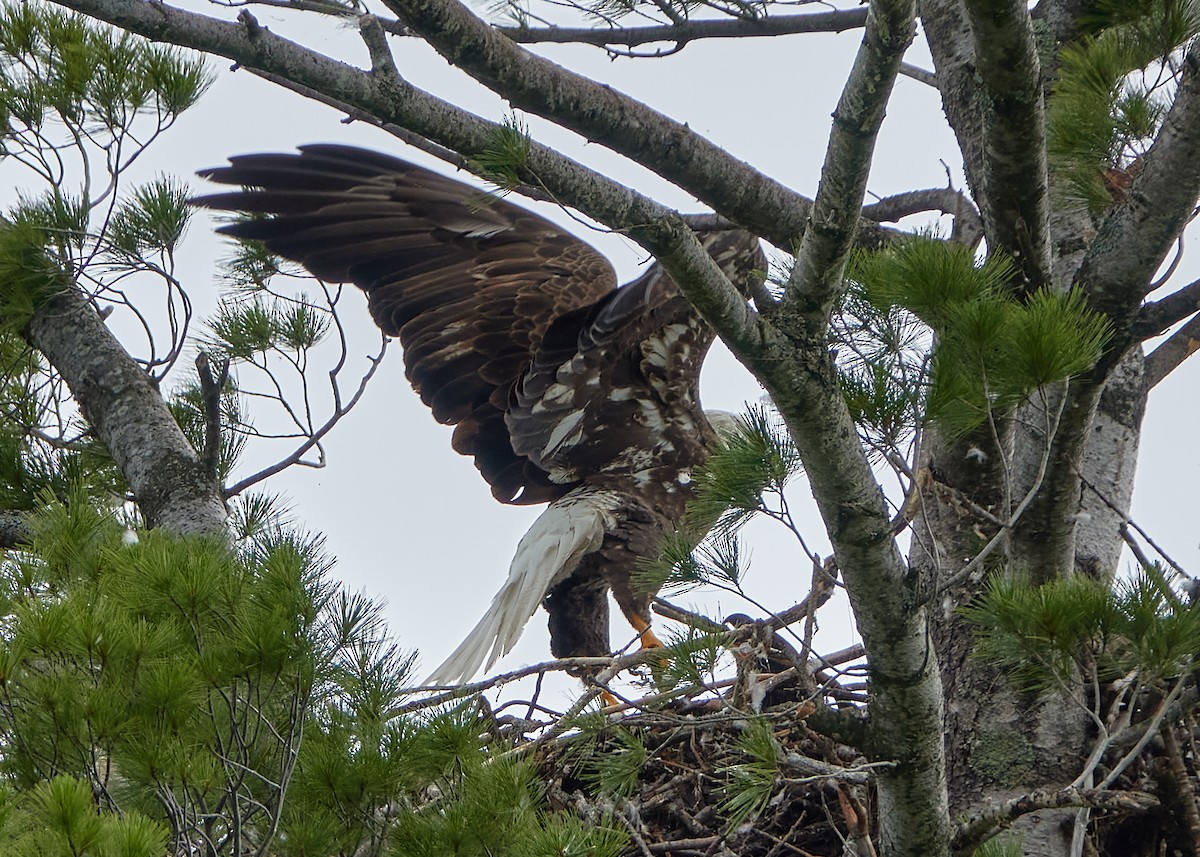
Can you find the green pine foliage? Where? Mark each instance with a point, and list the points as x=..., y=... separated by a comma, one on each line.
x=158, y=692
x=1045, y=636
x=691, y=660
x=615, y=771
x=152, y=218
x=1109, y=99
x=507, y=153
x=756, y=459
x=744, y=477
x=58, y=817
x=30, y=467
x=751, y=783
x=985, y=350
x=168, y=675
x=63, y=78
x=488, y=803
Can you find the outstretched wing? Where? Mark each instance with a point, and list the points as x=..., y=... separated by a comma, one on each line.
x=469, y=283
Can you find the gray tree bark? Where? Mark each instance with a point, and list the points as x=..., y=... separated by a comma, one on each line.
x=171, y=487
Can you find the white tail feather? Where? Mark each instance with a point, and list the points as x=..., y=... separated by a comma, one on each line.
x=569, y=529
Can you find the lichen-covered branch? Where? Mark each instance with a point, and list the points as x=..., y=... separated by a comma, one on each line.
x=977, y=829
x=171, y=485
x=1136, y=235
x=948, y=36
x=817, y=275
x=836, y=21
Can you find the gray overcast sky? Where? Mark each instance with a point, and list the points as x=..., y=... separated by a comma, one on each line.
x=411, y=521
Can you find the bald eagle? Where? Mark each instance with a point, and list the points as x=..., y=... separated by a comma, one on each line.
x=563, y=387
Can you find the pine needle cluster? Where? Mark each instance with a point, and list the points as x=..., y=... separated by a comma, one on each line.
x=745, y=476
x=159, y=694
x=64, y=79
x=988, y=350
x=1111, y=94
x=1046, y=636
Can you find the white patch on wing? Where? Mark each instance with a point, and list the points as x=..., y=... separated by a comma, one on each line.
x=562, y=431
x=477, y=228
x=659, y=350
x=621, y=394
x=651, y=416
x=456, y=349
x=568, y=530
x=567, y=372
x=558, y=394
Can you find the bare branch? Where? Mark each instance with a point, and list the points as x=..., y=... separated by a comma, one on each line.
x=947, y=200
x=314, y=439
x=820, y=22
x=1166, y=358
x=1155, y=318
x=918, y=74
x=984, y=824
x=1184, y=791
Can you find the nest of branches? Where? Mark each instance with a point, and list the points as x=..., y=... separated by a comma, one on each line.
x=702, y=786
x=766, y=763
x=730, y=766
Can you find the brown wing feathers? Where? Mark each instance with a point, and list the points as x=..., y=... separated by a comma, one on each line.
x=468, y=283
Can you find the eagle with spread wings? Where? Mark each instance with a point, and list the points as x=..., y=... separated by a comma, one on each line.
x=563, y=387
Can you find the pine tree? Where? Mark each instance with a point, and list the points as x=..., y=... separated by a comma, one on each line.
x=1007, y=682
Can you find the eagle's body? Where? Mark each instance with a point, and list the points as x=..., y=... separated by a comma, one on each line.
x=563, y=387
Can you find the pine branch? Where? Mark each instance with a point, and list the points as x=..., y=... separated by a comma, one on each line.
x=1169, y=356
x=984, y=824
x=836, y=21
x=171, y=485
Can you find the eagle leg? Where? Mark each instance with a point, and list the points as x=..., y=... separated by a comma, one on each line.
x=645, y=634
